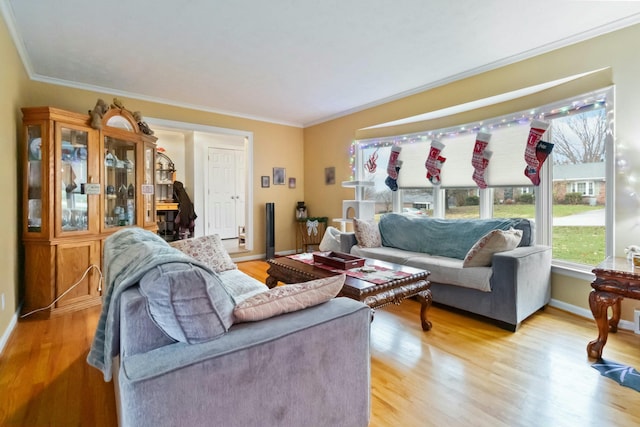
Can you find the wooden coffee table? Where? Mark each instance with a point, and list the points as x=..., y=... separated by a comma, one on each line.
x=375, y=295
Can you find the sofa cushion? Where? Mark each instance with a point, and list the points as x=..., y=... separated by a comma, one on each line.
x=443, y=237
x=207, y=249
x=495, y=241
x=367, y=233
x=241, y=286
x=288, y=298
x=450, y=271
x=397, y=256
x=188, y=303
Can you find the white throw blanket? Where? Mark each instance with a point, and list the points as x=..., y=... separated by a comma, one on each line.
x=128, y=255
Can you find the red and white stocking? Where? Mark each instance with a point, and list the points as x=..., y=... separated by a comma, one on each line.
x=393, y=162
x=543, y=149
x=482, y=140
x=434, y=177
x=478, y=173
x=432, y=158
x=538, y=128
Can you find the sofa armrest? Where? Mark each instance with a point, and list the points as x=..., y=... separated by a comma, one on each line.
x=138, y=332
x=293, y=369
x=347, y=241
x=521, y=282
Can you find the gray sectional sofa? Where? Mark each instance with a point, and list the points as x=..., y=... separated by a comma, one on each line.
x=515, y=284
x=178, y=359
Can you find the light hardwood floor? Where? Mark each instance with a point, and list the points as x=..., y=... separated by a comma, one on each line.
x=464, y=372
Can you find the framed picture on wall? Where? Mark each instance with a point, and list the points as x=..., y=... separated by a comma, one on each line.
x=330, y=175
x=278, y=176
x=292, y=183
x=265, y=182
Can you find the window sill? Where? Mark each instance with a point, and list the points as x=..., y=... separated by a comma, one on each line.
x=570, y=269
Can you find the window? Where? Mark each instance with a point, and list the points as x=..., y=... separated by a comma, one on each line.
x=585, y=188
x=570, y=203
x=372, y=167
x=579, y=190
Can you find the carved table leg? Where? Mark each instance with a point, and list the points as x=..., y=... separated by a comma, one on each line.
x=599, y=302
x=425, y=298
x=615, y=316
x=271, y=282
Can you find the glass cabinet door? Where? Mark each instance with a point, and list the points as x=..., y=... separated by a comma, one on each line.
x=35, y=182
x=72, y=174
x=148, y=187
x=120, y=182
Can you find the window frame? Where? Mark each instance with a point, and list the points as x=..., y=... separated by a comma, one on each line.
x=543, y=193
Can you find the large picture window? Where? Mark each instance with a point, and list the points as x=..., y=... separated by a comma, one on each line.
x=570, y=203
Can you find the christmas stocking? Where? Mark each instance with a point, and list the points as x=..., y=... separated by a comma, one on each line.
x=435, y=176
x=393, y=160
x=478, y=173
x=482, y=140
x=434, y=153
x=543, y=149
x=538, y=128
x=392, y=183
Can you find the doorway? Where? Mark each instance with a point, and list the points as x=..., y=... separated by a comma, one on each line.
x=214, y=162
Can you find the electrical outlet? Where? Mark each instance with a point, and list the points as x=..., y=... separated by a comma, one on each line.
x=636, y=321
x=2, y=302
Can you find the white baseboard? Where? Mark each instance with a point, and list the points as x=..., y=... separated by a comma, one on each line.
x=7, y=333
x=586, y=313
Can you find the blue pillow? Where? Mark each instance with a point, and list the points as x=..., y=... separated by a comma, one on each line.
x=187, y=302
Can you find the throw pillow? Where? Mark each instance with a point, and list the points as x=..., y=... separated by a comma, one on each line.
x=331, y=240
x=186, y=302
x=495, y=241
x=367, y=233
x=288, y=298
x=207, y=249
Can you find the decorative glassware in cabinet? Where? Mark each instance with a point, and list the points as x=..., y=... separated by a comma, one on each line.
x=74, y=204
x=34, y=171
x=120, y=182
x=148, y=188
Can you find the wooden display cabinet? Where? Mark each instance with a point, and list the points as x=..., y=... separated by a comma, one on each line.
x=81, y=185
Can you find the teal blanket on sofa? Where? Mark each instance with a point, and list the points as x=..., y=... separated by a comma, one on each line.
x=450, y=238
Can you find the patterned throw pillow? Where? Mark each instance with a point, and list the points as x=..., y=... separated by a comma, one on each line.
x=288, y=298
x=495, y=241
x=207, y=249
x=367, y=233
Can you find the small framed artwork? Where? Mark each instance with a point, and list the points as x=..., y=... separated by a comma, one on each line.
x=292, y=183
x=330, y=175
x=265, y=181
x=278, y=176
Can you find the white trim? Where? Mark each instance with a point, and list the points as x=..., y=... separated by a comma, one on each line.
x=248, y=135
x=583, y=312
x=572, y=270
x=7, y=333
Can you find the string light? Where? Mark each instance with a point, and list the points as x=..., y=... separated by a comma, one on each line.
x=592, y=101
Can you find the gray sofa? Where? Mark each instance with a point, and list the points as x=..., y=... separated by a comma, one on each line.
x=514, y=286
x=305, y=367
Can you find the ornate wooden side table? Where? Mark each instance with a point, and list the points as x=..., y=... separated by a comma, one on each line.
x=616, y=278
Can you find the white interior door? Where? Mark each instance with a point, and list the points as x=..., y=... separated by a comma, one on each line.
x=221, y=210
x=240, y=169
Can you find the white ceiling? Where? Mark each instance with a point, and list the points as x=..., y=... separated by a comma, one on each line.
x=286, y=61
